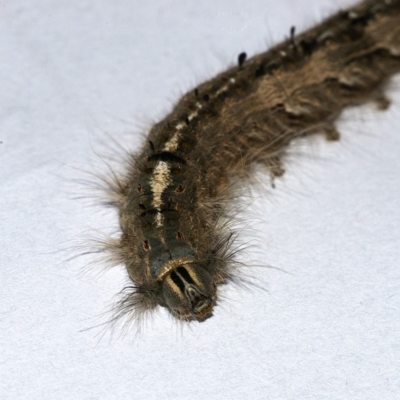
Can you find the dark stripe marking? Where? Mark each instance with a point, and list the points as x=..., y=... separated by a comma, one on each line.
x=167, y=157
x=185, y=275
x=153, y=211
x=178, y=281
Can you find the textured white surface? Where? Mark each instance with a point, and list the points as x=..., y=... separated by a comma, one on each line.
x=73, y=74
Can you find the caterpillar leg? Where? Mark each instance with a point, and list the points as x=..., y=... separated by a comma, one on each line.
x=331, y=133
x=381, y=101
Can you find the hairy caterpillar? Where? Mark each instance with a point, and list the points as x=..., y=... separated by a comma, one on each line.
x=173, y=194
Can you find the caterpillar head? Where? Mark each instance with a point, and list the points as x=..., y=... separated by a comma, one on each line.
x=189, y=292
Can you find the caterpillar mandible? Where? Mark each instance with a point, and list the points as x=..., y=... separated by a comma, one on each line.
x=174, y=191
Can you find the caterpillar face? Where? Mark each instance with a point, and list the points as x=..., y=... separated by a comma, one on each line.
x=189, y=292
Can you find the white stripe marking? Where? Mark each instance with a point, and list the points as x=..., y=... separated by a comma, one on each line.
x=159, y=181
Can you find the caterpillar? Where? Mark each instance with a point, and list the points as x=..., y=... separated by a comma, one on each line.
x=175, y=190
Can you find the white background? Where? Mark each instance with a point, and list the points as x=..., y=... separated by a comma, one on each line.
x=76, y=75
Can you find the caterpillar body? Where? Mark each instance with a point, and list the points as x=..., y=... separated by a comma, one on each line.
x=173, y=194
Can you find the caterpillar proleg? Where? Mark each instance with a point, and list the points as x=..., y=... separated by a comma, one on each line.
x=173, y=194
